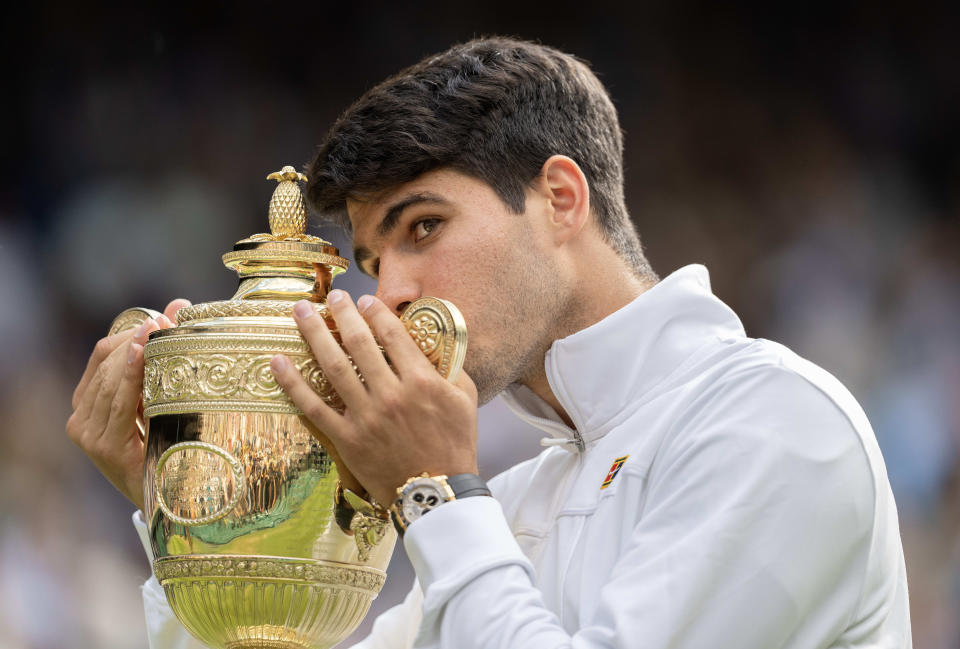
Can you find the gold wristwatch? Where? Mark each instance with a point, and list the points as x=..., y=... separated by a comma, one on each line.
x=424, y=493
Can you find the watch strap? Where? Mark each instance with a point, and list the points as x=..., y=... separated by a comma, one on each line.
x=397, y=525
x=465, y=485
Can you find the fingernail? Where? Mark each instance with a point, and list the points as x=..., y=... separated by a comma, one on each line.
x=335, y=296
x=364, y=303
x=141, y=331
x=279, y=363
x=303, y=309
x=132, y=353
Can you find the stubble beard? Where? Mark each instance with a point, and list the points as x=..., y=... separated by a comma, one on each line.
x=517, y=332
x=494, y=370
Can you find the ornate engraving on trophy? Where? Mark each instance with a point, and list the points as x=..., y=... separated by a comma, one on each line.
x=318, y=572
x=424, y=330
x=368, y=531
x=225, y=373
x=438, y=329
x=239, y=309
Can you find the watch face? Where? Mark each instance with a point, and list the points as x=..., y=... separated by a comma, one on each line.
x=420, y=497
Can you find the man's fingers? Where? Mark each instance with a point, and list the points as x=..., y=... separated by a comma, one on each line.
x=174, y=306
x=337, y=368
x=103, y=349
x=323, y=416
x=95, y=404
x=100, y=404
x=77, y=428
x=126, y=398
x=404, y=354
x=359, y=342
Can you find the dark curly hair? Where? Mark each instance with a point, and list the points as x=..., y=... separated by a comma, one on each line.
x=493, y=108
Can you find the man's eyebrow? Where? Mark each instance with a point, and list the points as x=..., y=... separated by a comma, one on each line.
x=392, y=217
x=390, y=220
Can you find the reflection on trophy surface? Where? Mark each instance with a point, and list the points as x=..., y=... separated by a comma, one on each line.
x=255, y=543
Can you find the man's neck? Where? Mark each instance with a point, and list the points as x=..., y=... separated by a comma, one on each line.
x=606, y=293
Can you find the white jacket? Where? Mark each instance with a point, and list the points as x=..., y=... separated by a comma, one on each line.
x=752, y=510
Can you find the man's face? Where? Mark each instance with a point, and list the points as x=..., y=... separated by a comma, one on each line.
x=450, y=236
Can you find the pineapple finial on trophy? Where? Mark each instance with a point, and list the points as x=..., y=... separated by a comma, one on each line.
x=287, y=215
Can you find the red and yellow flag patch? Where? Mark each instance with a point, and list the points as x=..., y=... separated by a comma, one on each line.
x=614, y=470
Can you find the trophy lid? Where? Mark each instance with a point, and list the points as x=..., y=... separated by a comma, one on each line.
x=288, y=242
x=279, y=268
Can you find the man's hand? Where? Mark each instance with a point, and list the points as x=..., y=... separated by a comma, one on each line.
x=106, y=404
x=398, y=422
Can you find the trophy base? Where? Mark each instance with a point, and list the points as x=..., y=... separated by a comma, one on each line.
x=268, y=636
x=257, y=602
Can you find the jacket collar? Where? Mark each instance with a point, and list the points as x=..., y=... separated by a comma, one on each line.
x=602, y=374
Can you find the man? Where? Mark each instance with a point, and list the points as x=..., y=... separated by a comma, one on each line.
x=700, y=489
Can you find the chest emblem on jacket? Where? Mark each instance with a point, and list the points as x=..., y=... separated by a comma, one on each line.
x=614, y=470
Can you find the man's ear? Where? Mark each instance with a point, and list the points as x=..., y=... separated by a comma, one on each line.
x=568, y=193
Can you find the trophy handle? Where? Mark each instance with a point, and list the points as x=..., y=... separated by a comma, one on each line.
x=438, y=328
x=131, y=319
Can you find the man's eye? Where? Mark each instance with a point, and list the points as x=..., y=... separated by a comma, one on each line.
x=422, y=229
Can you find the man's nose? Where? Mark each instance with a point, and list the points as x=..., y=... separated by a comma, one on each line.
x=396, y=290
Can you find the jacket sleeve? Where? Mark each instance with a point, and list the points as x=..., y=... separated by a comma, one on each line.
x=393, y=629
x=755, y=529
x=164, y=630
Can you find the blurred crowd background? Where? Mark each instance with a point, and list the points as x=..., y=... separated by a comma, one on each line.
x=810, y=158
